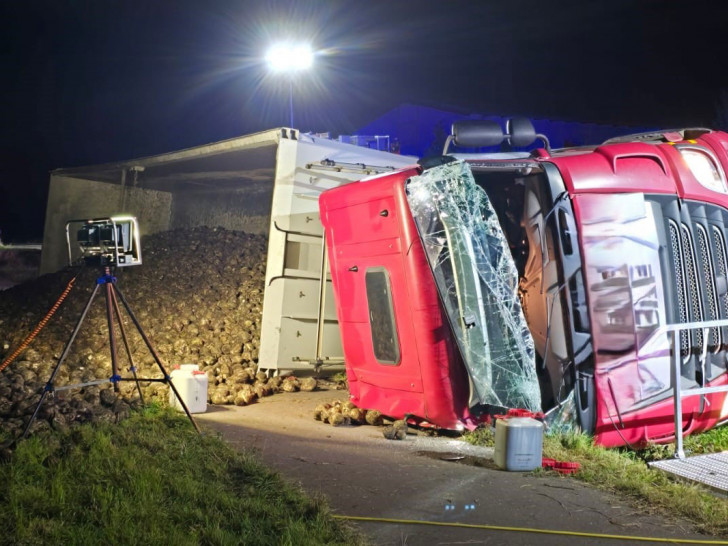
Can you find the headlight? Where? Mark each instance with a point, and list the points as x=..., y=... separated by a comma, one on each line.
x=705, y=169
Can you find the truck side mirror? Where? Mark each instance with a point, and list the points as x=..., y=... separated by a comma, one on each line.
x=521, y=132
x=472, y=133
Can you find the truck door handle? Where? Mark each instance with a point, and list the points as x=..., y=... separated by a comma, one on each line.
x=565, y=234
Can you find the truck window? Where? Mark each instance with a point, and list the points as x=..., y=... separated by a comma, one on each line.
x=381, y=316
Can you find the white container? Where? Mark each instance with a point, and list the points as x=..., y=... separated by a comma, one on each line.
x=191, y=384
x=518, y=444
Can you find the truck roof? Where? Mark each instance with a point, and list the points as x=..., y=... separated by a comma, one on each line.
x=690, y=162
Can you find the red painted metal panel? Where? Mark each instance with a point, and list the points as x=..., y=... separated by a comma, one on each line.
x=617, y=168
x=655, y=423
x=429, y=382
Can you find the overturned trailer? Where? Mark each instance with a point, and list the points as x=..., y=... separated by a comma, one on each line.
x=265, y=183
x=473, y=282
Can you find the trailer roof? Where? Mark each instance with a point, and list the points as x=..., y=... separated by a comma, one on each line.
x=249, y=157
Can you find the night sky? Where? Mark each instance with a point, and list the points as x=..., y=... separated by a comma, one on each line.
x=99, y=80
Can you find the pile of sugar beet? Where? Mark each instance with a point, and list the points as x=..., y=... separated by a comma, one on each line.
x=199, y=298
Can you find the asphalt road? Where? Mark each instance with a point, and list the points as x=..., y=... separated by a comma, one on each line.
x=433, y=479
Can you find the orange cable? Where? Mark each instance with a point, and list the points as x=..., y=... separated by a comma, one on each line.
x=41, y=324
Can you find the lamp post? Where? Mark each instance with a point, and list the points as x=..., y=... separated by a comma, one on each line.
x=290, y=59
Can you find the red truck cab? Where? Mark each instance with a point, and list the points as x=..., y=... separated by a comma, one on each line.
x=608, y=243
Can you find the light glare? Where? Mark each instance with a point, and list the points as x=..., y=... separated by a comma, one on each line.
x=704, y=170
x=289, y=57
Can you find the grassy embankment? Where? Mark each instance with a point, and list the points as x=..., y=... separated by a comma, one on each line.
x=152, y=480
x=625, y=472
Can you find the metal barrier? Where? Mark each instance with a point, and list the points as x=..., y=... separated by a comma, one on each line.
x=673, y=332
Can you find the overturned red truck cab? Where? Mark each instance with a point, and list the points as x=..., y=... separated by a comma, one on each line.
x=472, y=283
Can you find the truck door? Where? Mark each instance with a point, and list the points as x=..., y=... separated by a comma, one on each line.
x=625, y=287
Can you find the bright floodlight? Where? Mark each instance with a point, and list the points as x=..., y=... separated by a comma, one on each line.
x=290, y=57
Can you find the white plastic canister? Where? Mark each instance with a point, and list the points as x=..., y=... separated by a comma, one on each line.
x=518, y=443
x=191, y=384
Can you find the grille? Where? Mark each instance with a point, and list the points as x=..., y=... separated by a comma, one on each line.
x=682, y=306
x=709, y=283
x=699, y=256
x=691, y=276
x=720, y=259
x=696, y=264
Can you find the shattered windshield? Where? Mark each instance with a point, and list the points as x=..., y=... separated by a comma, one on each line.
x=477, y=282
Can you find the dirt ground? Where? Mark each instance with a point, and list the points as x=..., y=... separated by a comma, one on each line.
x=425, y=478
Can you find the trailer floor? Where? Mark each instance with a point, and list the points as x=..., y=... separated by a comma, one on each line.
x=423, y=478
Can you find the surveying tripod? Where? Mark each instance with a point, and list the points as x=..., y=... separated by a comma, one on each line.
x=111, y=291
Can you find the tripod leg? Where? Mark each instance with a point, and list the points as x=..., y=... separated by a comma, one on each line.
x=112, y=338
x=126, y=345
x=156, y=357
x=49, y=385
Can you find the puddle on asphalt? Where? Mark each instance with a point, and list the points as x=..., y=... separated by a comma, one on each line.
x=458, y=458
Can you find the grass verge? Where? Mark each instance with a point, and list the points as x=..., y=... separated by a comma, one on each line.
x=713, y=441
x=152, y=480
x=626, y=473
